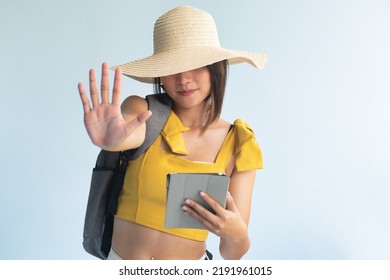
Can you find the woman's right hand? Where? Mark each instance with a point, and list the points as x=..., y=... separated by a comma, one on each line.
x=104, y=120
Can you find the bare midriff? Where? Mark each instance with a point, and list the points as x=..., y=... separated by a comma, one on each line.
x=132, y=241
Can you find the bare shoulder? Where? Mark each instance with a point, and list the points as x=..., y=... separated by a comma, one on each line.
x=218, y=130
x=221, y=124
x=134, y=104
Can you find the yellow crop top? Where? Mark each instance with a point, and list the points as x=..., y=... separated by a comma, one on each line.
x=143, y=197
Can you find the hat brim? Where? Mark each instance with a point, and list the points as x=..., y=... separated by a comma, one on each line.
x=181, y=60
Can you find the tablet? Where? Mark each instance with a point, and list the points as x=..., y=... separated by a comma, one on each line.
x=181, y=186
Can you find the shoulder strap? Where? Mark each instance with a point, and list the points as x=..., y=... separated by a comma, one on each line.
x=160, y=105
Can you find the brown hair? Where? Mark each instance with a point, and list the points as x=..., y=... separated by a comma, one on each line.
x=218, y=76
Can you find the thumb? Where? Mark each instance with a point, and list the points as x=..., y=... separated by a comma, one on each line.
x=136, y=122
x=230, y=205
x=141, y=118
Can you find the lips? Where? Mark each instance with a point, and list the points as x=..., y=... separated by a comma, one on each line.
x=186, y=92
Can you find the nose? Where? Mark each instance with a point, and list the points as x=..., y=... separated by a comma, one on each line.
x=184, y=78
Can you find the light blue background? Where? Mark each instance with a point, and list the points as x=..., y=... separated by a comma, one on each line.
x=320, y=110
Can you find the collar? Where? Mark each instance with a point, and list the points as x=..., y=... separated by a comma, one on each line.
x=173, y=134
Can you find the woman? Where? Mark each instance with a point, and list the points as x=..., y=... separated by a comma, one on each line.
x=189, y=66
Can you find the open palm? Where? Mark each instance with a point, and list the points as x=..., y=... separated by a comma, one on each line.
x=103, y=119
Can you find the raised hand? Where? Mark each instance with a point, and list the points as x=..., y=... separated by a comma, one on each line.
x=103, y=119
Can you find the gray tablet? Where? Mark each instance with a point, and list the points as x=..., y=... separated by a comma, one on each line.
x=181, y=186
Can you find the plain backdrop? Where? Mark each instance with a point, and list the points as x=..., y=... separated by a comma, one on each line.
x=320, y=110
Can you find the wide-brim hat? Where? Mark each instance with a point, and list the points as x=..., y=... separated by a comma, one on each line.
x=185, y=38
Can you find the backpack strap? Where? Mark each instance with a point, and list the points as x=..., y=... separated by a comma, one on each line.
x=160, y=105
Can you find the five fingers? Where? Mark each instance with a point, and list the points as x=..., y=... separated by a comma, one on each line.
x=104, y=89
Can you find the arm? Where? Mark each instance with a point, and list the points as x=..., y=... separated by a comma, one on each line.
x=109, y=126
x=241, y=188
x=230, y=224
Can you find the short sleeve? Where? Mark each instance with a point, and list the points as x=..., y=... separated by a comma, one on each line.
x=247, y=150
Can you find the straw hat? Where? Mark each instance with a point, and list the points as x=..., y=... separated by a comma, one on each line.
x=185, y=38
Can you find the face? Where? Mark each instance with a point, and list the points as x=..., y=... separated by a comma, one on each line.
x=188, y=89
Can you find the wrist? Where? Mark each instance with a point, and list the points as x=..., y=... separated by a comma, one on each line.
x=234, y=248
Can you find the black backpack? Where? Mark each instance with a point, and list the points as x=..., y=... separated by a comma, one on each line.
x=107, y=181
